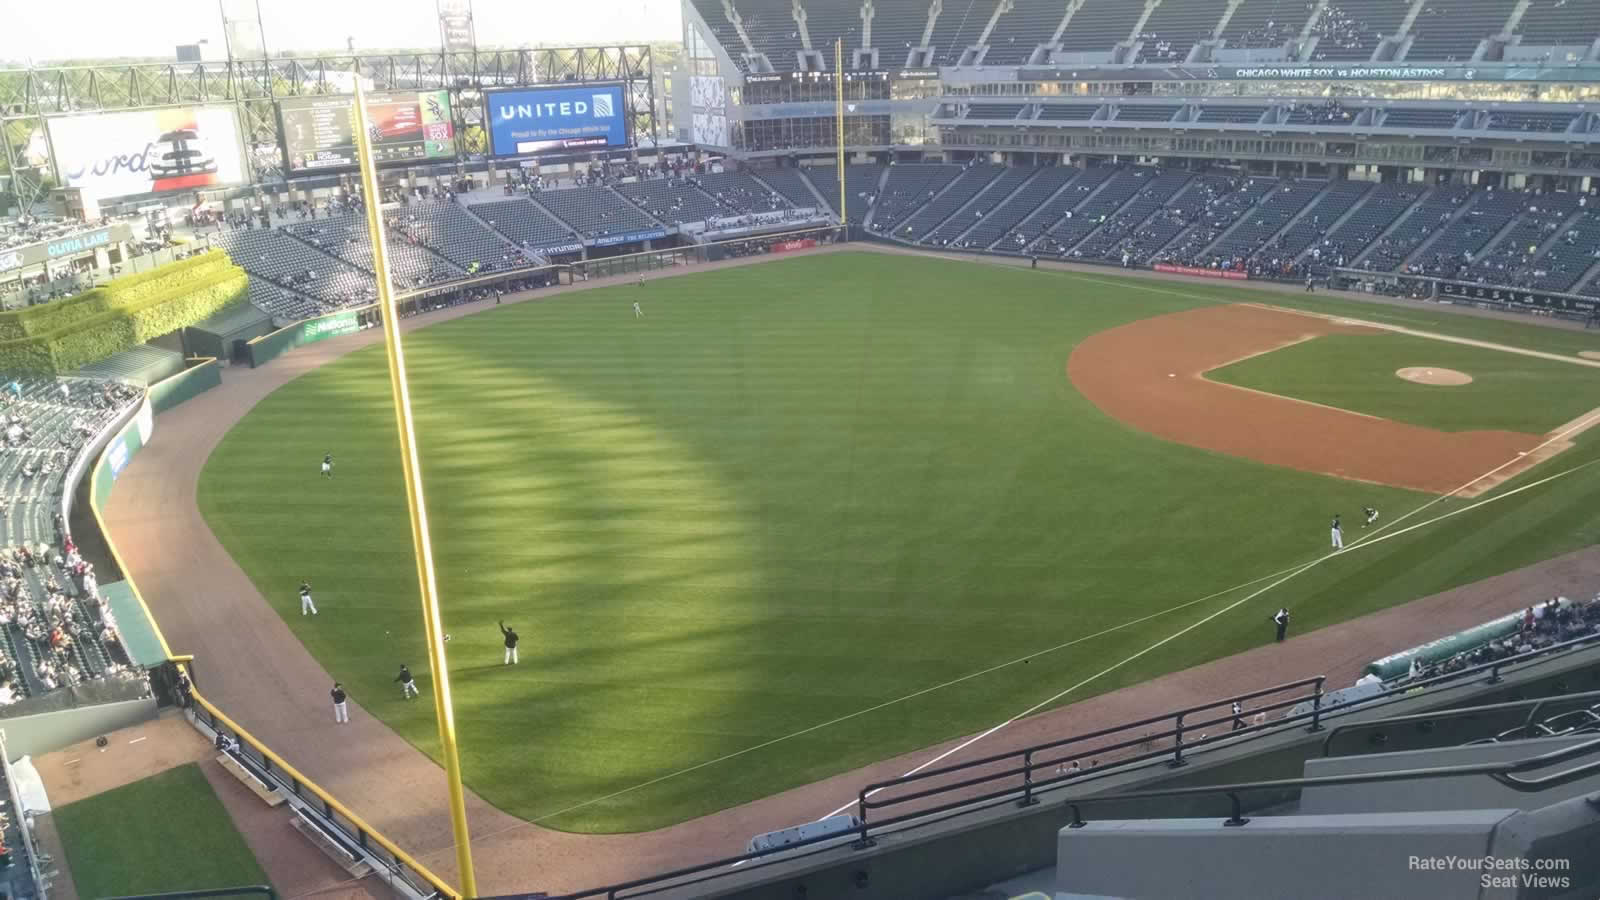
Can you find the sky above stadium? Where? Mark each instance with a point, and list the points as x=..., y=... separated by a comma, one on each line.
x=39, y=32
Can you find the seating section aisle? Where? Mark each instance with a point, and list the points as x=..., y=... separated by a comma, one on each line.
x=860, y=187
x=1174, y=27
x=1463, y=239
x=1219, y=214
x=1383, y=206
x=1005, y=217
x=986, y=202
x=1119, y=235
x=1450, y=30
x=672, y=200
x=963, y=188
x=908, y=188
x=792, y=185
x=1096, y=211
x=596, y=211
x=1275, y=211
x=462, y=239
x=739, y=194
x=312, y=266
x=1265, y=23
x=1055, y=209
x=524, y=223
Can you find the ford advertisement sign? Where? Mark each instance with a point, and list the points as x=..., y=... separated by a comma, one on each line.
x=541, y=120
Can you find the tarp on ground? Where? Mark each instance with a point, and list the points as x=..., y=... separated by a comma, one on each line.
x=1397, y=664
x=138, y=634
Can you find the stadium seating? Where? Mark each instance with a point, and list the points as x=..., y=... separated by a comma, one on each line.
x=1549, y=23
x=984, y=203
x=1450, y=30
x=462, y=239
x=1464, y=238
x=1339, y=199
x=1350, y=30
x=1568, y=257
x=960, y=24
x=410, y=262
x=1420, y=118
x=908, y=188
x=1055, y=208
x=55, y=629
x=310, y=266
x=1529, y=121
x=860, y=187
x=1536, y=223
x=994, y=110
x=1019, y=31
x=1099, y=25
x=1217, y=217
x=1239, y=115
x=792, y=185
x=1275, y=211
x=1265, y=23
x=1175, y=27
x=1000, y=220
x=1121, y=232
x=1136, y=113
x=1094, y=212
x=1387, y=253
x=1068, y=112
x=1182, y=211
x=964, y=188
x=1385, y=204
x=524, y=223
x=672, y=200
x=896, y=28
x=595, y=211
x=740, y=194
x=726, y=34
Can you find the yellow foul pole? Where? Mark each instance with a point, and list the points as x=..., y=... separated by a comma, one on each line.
x=838, y=79
x=422, y=544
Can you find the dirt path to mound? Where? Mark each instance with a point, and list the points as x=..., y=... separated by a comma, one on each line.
x=250, y=663
x=1149, y=375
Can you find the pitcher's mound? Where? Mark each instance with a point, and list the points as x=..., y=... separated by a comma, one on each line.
x=1422, y=375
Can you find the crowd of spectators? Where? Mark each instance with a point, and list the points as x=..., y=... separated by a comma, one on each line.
x=602, y=172
x=1338, y=29
x=1555, y=621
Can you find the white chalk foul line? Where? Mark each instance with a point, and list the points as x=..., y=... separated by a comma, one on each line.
x=1373, y=539
x=911, y=696
x=1290, y=572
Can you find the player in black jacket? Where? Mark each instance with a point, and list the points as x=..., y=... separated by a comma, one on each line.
x=408, y=685
x=510, y=634
x=340, y=712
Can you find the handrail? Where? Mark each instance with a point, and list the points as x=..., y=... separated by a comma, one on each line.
x=328, y=800
x=1535, y=703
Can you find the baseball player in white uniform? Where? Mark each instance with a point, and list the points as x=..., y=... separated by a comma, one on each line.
x=1337, y=532
x=307, y=608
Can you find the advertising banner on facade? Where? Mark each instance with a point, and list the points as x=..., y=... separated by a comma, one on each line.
x=64, y=248
x=536, y=120
x=148, y=151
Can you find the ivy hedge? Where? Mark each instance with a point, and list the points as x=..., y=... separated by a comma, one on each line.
x=68, y=334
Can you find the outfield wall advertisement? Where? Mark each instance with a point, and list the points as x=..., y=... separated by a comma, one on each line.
x=1199, y=272
x=268, y=347
x=543, y=119
x=149, y=151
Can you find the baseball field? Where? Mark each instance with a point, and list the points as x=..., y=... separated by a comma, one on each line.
x=810, y=514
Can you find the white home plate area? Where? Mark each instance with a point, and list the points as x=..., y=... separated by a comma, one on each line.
x=1443, y=377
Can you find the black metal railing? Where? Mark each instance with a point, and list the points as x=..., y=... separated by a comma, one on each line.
x=1430, y=720
x=1025, y=790
x=393, y=864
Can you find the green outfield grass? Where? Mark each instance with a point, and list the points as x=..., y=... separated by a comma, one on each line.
x=1509, y=391
x=793, y=492
x=168, y=832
